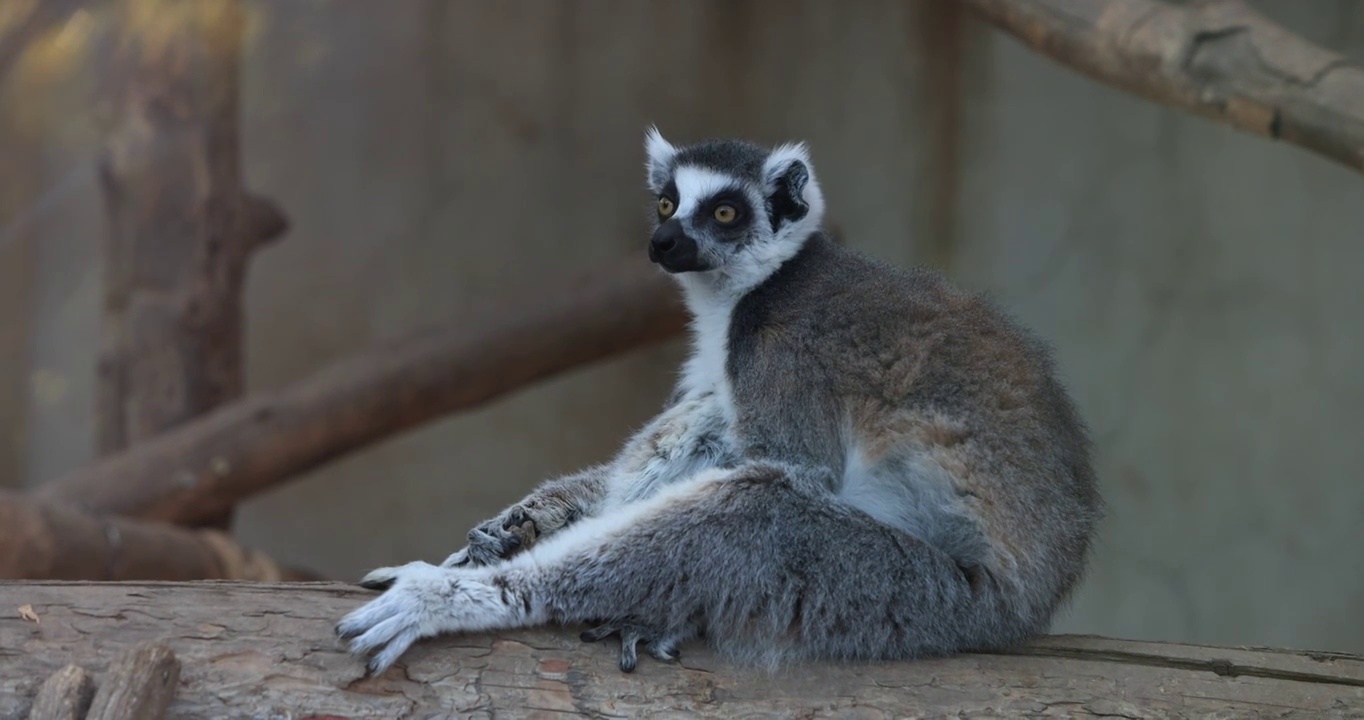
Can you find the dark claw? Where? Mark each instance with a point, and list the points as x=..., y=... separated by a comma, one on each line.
x=345, y=635
x=370, y=669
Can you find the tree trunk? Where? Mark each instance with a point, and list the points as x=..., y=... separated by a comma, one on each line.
x=181, y=228
x=260, y=650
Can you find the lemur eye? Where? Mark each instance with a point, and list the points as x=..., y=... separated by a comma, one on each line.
x=726, y=214
x=665, y=207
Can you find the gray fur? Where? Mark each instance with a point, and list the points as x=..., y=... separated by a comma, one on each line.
x=859, y=463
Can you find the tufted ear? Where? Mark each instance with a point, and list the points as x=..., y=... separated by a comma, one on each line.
x=660, y=154
x=793, y=194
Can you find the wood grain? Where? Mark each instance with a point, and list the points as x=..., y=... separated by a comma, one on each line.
x=65, y=695
x=267, y=650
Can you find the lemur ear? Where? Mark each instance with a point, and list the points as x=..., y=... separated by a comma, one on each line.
x=660, y=154
x=789, y=184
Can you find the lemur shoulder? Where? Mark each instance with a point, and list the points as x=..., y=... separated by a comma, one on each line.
x=858, y=462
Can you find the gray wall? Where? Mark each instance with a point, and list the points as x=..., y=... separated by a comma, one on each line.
x=1199, y=285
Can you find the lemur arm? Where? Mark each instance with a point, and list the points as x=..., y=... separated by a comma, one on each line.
x=678, y=442
x=551, y=506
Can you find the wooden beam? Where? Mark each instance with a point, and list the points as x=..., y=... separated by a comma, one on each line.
x=262, y=650
x=201, y=468
x=1215, y=58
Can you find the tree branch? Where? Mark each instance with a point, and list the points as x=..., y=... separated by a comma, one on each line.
x=209, y=464
x=40, y=540
x=1218, y=59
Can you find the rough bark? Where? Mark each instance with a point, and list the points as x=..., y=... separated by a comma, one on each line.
x=65, y=695
x=258, y=650
x=1218, y=59
x=206, y=466
x=141, y=684
x=181, y=228
x=41, y=540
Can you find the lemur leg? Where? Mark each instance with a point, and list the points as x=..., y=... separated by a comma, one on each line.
x=761, y=558
x=553, y=505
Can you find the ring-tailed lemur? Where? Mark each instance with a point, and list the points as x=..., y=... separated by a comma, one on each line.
x=858, y=462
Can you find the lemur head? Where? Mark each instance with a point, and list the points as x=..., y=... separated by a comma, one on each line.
x=730, y=212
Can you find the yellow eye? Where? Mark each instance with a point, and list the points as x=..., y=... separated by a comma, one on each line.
x=726, y=214
x=665, y=207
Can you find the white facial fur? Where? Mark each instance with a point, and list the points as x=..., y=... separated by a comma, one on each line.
x=738, y=270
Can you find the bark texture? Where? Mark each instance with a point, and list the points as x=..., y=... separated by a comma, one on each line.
x=206, y=466
x=1215, y=58
x=140, y=684
x=65, y=695
x=260, y=650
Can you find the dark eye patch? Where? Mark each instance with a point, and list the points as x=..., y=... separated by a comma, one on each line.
x=733, y=197
x=669, y=191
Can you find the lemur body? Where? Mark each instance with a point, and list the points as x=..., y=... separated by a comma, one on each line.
x=858, y=462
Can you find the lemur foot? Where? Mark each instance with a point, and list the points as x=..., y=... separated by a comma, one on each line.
x=496, y=539
x=663, y=646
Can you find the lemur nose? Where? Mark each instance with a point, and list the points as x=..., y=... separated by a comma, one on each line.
x=671, y=248
x=666, y=237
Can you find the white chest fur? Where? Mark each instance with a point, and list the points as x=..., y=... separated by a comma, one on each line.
x=705, y=371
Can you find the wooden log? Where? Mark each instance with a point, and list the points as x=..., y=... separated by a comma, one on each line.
x=266, y=650
x=65, y=695
x=181, y=227
x=1215, y=58
x=141, y=684
x=208, y=465
x=41, y=540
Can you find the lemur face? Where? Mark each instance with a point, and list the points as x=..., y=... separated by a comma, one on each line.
x=729, y=206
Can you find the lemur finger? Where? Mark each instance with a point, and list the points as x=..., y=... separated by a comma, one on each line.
x=459, y=558
x=664, y=650
x=391, y=652
x=379, y=578
x=629, y=657
x=517, y=518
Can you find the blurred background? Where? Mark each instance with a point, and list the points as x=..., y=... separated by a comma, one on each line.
x=1201, y=287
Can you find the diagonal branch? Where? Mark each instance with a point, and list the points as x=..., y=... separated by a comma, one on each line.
x=1216, y=58
x=207, y=465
